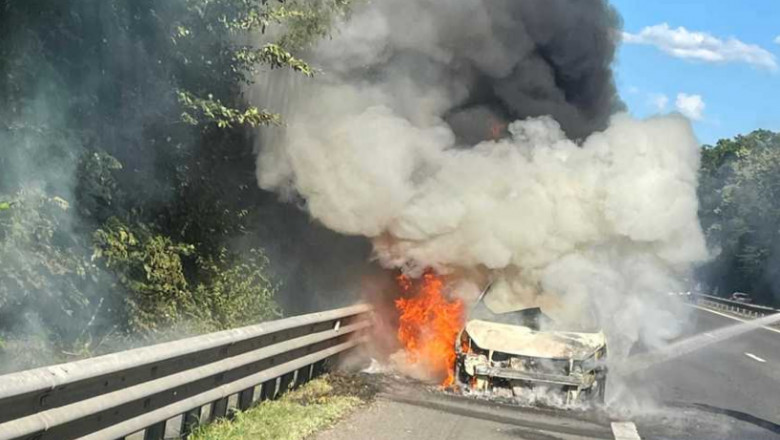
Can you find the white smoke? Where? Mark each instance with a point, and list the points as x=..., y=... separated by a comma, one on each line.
x=606, y=224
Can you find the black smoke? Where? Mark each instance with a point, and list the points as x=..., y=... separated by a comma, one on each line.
x=502, y=60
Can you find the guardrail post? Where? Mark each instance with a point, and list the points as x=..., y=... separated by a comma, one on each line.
x=317, y=369
x=303, y=375
x=286, y=382
x=268, y=391
x=245, y=398
x=155, y=432
x=189, y=421
x=219, y=409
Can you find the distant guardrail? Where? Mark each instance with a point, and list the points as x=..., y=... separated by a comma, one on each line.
x=175, y=386
x=736, y=307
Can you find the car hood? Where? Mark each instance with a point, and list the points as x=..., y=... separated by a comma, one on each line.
x=522, y=341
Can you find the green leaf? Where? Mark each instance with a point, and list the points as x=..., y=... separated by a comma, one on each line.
x=214, y=111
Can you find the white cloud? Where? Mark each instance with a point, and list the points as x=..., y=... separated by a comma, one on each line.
x=702, y=46
x=659, y=101
x=691, y=106
x=777, y=39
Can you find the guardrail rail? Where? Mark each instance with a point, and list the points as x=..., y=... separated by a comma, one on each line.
x=736, y=307
x=165, y=390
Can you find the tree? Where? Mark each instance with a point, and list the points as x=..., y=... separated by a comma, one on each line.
x=126, y=176
x=739, y=206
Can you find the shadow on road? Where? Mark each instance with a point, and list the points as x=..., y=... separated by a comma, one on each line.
x=748, y=418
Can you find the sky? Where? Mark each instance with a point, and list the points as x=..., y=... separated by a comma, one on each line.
x=716, y=61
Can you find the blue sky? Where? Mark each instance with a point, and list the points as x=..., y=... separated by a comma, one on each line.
x=722, y=69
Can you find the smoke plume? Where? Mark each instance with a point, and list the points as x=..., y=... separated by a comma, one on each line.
x=484, y=137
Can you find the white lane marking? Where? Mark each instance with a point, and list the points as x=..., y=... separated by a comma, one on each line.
x=625, y=431
x=709, y=335
x=754, y=357
x=733, y=317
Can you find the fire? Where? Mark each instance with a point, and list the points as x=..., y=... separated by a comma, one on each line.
x=497, y=129
x=429, y=324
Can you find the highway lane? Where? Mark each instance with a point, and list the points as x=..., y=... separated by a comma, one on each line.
x=716, y=393
x=738, y=376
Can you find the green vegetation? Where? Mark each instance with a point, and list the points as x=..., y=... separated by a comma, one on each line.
x=129, y=206
x=294, y=416
x=128, y=194
x=739, y=209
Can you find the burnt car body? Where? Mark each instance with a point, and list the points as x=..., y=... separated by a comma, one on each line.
x=521, y=349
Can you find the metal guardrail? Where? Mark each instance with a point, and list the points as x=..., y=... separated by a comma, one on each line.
x=172, y=387
x=737, y=307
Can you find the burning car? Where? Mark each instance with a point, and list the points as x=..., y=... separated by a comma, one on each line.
x=521, y=348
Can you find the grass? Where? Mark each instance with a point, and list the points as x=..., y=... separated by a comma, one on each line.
x=296, y=415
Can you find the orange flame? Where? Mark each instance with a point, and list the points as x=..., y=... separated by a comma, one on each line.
x=497, y=129
x=429, y=324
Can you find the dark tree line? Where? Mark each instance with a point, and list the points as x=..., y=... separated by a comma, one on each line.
x=127, y=181
x=739, y=196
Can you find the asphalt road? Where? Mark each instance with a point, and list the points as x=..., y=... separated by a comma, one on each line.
x=738, y=376
x=728, y=390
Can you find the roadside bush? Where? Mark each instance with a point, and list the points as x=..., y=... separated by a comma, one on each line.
x=148, y=268
x=48, y=294
x=237, y=290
